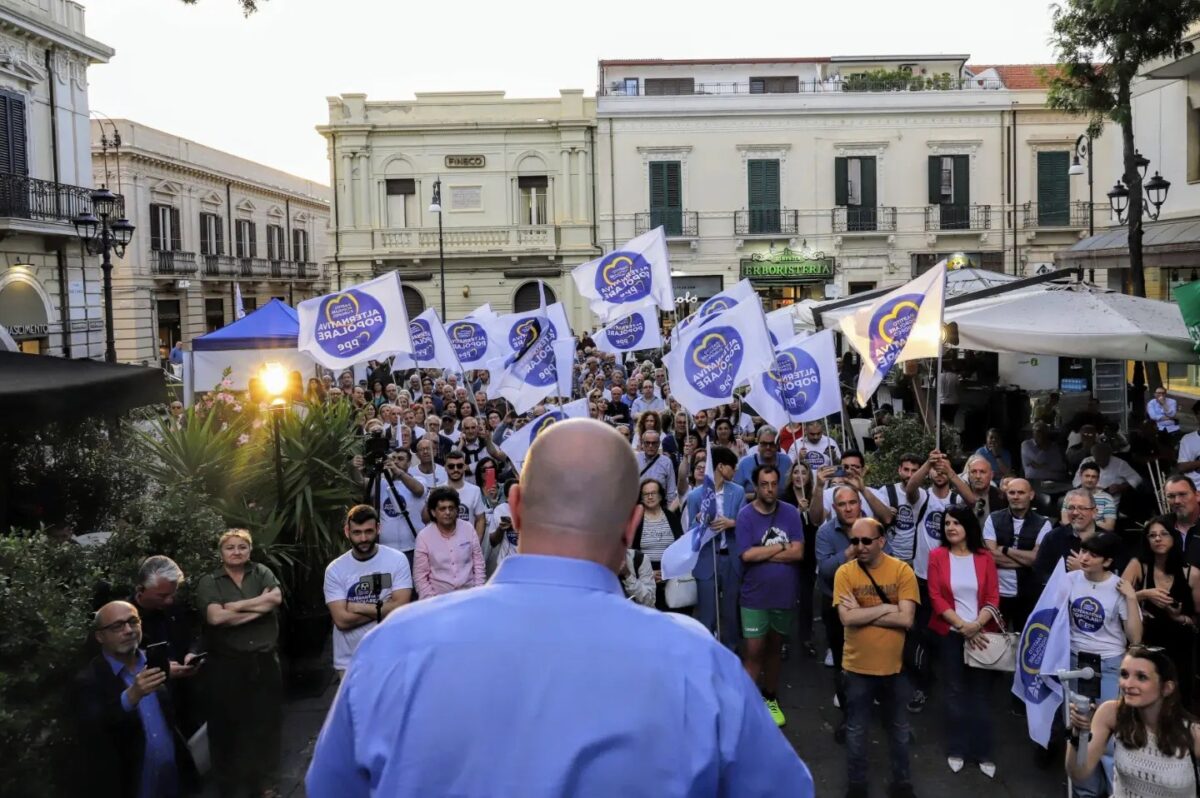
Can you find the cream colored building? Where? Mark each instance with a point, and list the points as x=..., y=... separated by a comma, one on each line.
x=50, y=295
x=826, y=176
x=205, y=221
x=517, y=191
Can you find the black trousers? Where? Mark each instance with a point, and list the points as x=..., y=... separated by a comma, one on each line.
x=245, y=714
x=835, y=636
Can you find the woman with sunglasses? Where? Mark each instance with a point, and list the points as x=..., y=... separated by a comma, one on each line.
x=1168, y=590
x=1155, y=740
x=964, y=591
x=659, y=528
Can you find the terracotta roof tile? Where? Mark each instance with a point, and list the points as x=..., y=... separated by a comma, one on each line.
x=1019, y=76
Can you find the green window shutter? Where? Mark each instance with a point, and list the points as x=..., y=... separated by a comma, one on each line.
x=253, y=239
x=962, y=181
x=666, y=196
x=935, y=180
x=220, y=241
x=841, y=193
x=762, y=177
x=204, y=242
x=868, y=192
x=1053, y=188
x=156, y=236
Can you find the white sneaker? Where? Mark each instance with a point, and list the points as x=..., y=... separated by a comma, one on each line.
x=988, y=769
x=836, y=702
x=829, y=658
x=956, y=763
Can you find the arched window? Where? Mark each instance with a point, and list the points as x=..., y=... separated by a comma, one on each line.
x=527, y=298
x=414, y=303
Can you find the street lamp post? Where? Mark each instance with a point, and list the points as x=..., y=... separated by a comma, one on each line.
x=1083, y=152
x=275, y=382
x=436, y=207
x=102, y=237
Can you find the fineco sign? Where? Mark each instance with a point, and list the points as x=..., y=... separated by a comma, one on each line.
x=465, y=161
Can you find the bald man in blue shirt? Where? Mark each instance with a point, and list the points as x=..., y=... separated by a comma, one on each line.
x=547, y=681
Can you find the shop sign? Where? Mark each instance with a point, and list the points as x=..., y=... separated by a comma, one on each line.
x=465, y=161
x=28, y=330
x=787, y=265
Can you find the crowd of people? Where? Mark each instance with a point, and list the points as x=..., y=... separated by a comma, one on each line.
x=907, y=578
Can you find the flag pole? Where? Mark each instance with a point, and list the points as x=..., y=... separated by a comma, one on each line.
x=937, y=394
x=716, y=588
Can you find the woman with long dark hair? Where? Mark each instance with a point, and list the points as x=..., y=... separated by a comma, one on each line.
x=1155, y=740
x=964, y=593
x=1168, y=590
x=797, y=491
x=724, y=436
x=659, y=528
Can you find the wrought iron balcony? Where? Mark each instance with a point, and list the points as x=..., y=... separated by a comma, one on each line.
x=859, y=219
x=24, y=197
x=253, y=267
x=675, y=223
x=167, y=263
x=1066, y=216
x=958, y=217
x=766, y=222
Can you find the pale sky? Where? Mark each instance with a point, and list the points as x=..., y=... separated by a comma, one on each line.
x=256, y=87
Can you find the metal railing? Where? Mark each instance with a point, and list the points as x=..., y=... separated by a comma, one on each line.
x=169, y=264
x=1073, y=215
x=958, y=217
x=24, y=197
x=306, y=270
x=851, y=84
x=766, y=222
x=282, y=269
x=252, y=267
x=858, y=219
x=675, y=223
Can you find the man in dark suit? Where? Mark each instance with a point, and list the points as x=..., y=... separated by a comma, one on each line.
x=127, y=726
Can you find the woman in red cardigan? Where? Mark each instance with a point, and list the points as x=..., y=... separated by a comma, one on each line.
x=964, y=591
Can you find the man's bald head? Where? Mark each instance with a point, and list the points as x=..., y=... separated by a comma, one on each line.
x=118, y=628
x=578, y=493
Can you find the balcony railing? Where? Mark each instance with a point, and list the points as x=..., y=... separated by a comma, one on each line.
x=282, y=269
x=24, y=197
x=306, y=270
x=1067, y=216
x=958, y=217
x=171, y=264
x=252, y=267
x=858, y=219
x=676, y=224
x=851, y=84
x=424, y=240
x=766, y=222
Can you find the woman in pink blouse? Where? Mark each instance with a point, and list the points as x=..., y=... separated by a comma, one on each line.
x=447, y=556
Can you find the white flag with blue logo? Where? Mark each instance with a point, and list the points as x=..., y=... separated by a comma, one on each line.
x=803, y=383
x=472, y=341
x=633, y=333
x=365, y=322
x=712, y=358
x=516, y=446
x=904, y=325
x=1043, y=650
x=508, y=330
x=540, y=367
x=680, y=557
x=637, y=274
x=431, y=346
x=484, y=311
x=715, y=306
x=781, y=323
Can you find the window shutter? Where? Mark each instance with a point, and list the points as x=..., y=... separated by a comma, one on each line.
x=239, y=241
x=962, y=181
x=176, y=244
x=867, y=192
x=763, y=176
x=155, y=227
x=18, y=146
x=841, y=182
x=935, y=180
x=205, y=242
x=253, y=239
x=1054, y=190
x=5, y=136
x=665, y=188
x=754, y=189
x=219, y=249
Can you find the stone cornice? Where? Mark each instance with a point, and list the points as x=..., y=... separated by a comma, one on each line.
x=16, y=22
x=163, y=163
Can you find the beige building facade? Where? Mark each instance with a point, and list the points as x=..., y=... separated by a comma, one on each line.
x=517, y=196
x=208, y=224
x=821, y=177
x=50, y=291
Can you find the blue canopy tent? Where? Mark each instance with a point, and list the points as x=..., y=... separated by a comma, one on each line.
x=268, y=334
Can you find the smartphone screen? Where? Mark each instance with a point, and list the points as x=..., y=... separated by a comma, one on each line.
x=489, y=480
x=157, y=656
x=1089, y=687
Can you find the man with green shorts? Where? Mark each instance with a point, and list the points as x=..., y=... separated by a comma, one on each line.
x=770, y=541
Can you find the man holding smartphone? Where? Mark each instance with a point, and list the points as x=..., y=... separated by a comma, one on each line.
x=364, y=585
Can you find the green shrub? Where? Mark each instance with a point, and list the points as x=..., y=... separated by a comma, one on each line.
x=903, y=436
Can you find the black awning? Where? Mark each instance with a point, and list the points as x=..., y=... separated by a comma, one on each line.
x=35, y=389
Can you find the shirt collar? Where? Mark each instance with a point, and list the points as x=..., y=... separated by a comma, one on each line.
x=541, y=569
x=118, y=666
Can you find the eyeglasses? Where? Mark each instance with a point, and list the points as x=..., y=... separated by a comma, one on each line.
x=1157, y=535
x=116, y=626
x=649, y=443
x=651, y=495
x=862, y=541
x=1076, y=508
x=450, y=467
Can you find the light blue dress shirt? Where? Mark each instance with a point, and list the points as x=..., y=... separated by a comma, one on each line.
x=548, y=682
x=159, y=778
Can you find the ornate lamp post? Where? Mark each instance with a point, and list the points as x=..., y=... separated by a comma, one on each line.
x=103, y=237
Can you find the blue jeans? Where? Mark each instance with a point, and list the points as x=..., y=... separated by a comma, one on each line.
x=967, y=704
x=730, y=583
x=1098, y=783
x=893, y=693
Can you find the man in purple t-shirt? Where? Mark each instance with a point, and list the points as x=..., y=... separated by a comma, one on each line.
x=770, y=541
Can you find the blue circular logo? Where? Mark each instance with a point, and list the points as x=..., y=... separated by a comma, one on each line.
x=468, y=339
x=422, y=339
x=389, y=509
x=711, y=362
x=623, y=277
x=933, y=526
x=1087, y=614
x=522, y=328
x=796, y=380
x=542, y=424
x=890, y=327
x=814, y=458
x=1032, y=652
x=717, y=304
x=626, y=333
x=904, y=517
x=349, y=323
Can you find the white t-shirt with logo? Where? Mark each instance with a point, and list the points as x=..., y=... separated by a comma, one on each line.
x=344, y=581
x=902, y=542
x=394, y=531
x=824, y=452
x=928, y=535
x=470, y=503
x=1098, y=614
x=1008, y=576
x=438, y=477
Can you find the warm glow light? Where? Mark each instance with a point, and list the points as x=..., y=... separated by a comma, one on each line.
x=274, y=380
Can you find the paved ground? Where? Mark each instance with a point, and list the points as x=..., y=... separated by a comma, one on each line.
x=807, y=700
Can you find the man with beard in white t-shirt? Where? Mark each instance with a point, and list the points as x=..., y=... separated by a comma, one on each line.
x=908, y=507
x=815, y=448
x=364, y=585
x=400, y=505
x=471, y=507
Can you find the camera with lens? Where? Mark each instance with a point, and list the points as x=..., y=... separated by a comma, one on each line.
x=376, y=448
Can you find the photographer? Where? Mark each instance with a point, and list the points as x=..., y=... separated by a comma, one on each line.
x=363, y=585
x=401, y=497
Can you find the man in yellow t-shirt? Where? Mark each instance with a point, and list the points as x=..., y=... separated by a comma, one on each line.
x=876, y=598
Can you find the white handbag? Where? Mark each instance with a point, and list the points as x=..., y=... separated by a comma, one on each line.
x=680, y=592
x=1000, y=651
